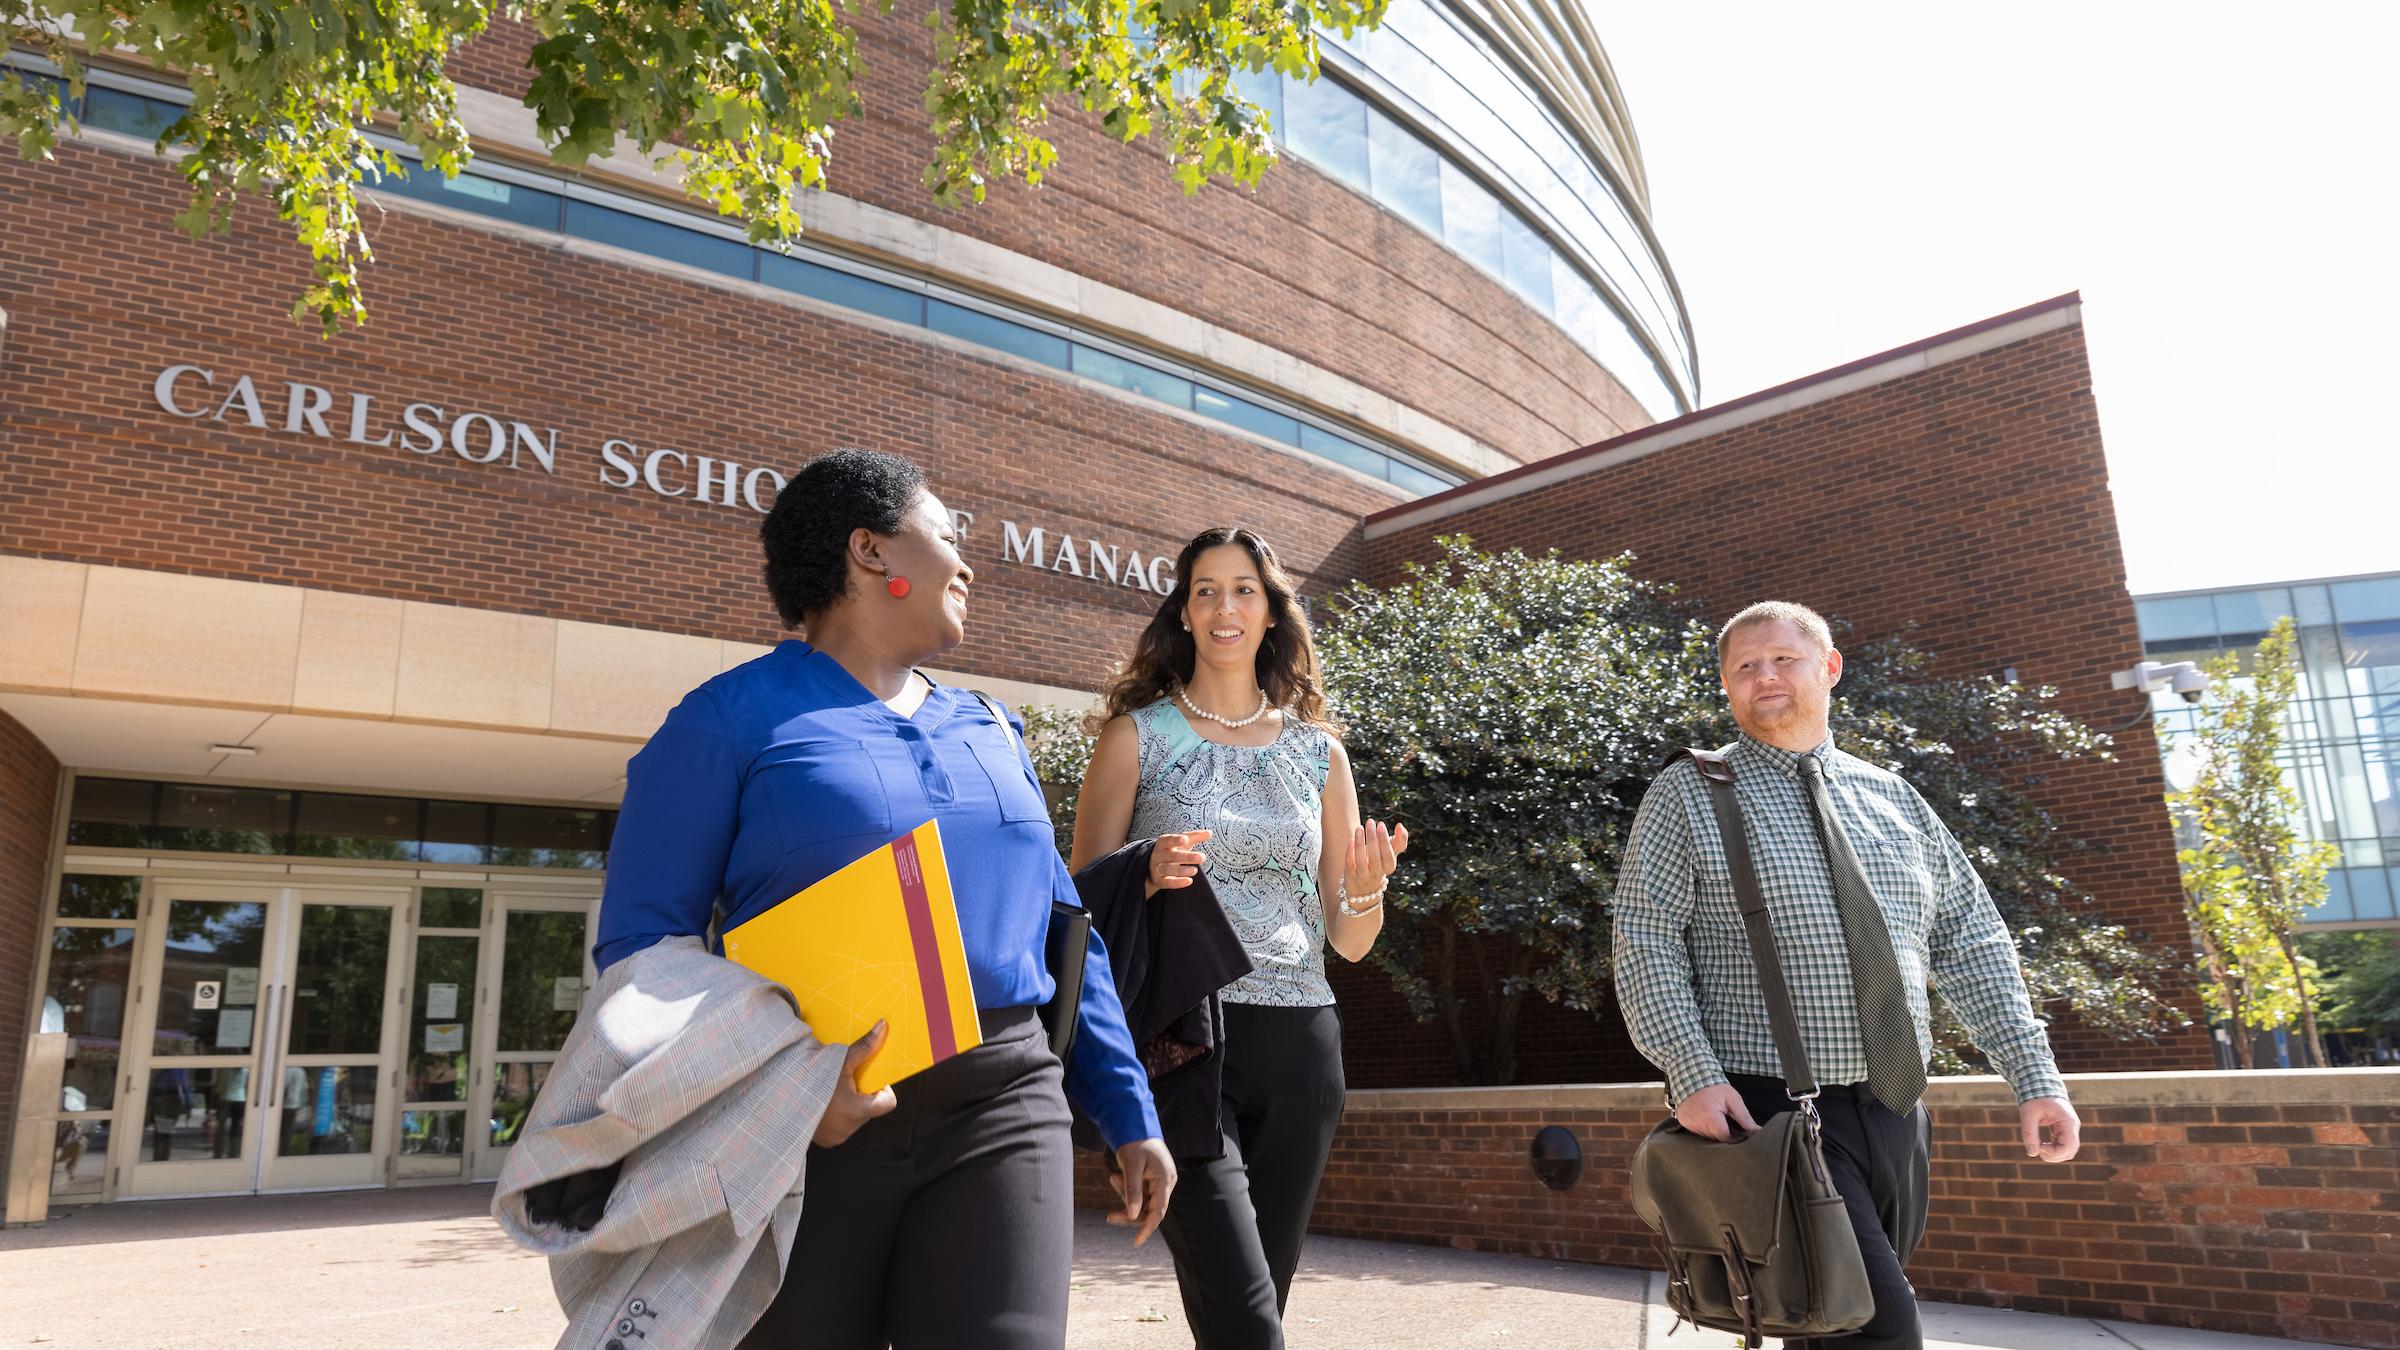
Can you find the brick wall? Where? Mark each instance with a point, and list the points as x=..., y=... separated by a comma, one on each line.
x=1967, y=504
x=1302, y=264
x=2266, y=1203
x=97, y=472
x=28, y=805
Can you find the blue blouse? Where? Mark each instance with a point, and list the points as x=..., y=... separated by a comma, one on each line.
x=783, y=770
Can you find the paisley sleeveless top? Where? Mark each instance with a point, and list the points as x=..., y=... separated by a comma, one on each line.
x=1266, y=804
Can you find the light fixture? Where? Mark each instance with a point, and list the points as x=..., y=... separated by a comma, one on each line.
x=223, y=749
x=2186, y=678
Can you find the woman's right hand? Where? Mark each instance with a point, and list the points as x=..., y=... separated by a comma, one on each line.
x=851, y=1108
x=1175, y=859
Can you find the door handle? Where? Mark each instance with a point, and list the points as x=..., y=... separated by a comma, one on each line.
x=268, y=1060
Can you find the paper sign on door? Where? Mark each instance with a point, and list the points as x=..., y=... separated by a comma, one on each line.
x=441, y=1000
x=233, y=1029
x=443, y=1038
x=205, y=994
x=241, y=987
x=566, y=993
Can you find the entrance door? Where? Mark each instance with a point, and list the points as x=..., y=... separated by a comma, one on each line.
x=264, y=1023
x=535, y=981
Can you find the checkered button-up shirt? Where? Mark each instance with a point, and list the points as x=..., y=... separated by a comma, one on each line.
x=1690, y=992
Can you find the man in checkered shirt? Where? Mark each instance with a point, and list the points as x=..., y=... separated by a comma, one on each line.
x=1691, y=994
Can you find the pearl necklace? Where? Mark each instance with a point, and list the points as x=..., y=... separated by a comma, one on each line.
x=1226, y=722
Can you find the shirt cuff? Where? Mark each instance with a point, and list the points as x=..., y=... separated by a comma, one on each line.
x=1128, y=1120
x=1692, y=1075
x=2039, y=1080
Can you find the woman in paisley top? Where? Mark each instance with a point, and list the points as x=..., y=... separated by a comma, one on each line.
x=1214, y=740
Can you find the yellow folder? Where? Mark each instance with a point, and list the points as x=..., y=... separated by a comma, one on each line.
x=876, y=941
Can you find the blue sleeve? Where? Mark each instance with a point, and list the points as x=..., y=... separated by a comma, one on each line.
x=666, y=864
x=1106, y=1079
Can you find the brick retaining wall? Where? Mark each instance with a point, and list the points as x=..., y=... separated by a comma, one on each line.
x=2266, y=1203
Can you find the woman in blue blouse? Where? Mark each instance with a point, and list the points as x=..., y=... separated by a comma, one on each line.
x=939, y=1211
x=1215, y=741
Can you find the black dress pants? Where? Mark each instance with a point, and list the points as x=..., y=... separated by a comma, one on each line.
x=1235, y=1224
x=1878, y=1160
x=948, y=1223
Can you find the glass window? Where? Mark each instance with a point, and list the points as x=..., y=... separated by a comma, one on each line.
x=337, y=982
x=2370, y=892
x=327, y=1109
x=457, y=832
x=2251, y=611
x=514, y=1086
x=2371, y=646
x=1015, y=338
x=340, y=825
x=2361, y=601
x=1407, y=172
x=433, y=1134
x=97, y=897
x=2336, y=908
x=2182, y=616
x=550, y=836
x=1093, y=363
x=841, y=288
x=450, y=907
x=2312, y=605
x=660, y=239
x=222, y=819
x=195, y=1114
x=1470, y=219
x=111, y=813
x=132, y=114
x=216, y=941
x=1247, y=415
x=1418, y=481
x=541, y=979
x=1326, y=125
x=79, y=1159
x=1264, y=88
x=1340, y=451
x=90, y=971
x=476, y=193
x=1526, y=256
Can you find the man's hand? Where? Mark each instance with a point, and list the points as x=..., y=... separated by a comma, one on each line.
x=1716, y=1112
x=1175, y=859
x=1144, y=1179
x=2059, y=1119
x=851, y=1108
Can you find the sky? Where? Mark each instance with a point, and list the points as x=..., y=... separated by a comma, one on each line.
x=2221, y=184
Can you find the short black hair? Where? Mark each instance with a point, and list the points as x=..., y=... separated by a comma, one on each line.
x=807, y=535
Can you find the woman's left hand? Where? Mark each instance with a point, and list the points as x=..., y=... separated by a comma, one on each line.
x=1374, y=852
x=1144, y=1178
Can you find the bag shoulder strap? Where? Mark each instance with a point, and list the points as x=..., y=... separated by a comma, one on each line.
x=1716, y=769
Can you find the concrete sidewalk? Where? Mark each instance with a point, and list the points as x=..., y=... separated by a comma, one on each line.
x=427, y=1267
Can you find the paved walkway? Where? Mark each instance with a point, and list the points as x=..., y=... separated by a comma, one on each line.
x=426, y=1267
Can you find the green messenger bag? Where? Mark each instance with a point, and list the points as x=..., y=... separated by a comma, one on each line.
x=1755, y=1237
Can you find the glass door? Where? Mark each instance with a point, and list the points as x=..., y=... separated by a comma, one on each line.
x=336, y=1041
x=444, y=1010
x=534, y=981
x=263, y=1022
x=201, y=1004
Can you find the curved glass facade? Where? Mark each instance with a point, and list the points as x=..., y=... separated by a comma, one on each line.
x=1603, y=278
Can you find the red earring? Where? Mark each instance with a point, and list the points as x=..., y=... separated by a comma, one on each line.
x=898, y=586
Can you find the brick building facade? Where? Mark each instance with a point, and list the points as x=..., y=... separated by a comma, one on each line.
x=458, y=564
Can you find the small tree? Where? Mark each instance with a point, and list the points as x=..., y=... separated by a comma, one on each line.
x=2248, y=875
x=740, y=95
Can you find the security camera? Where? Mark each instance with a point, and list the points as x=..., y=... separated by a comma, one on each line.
x=2188, y=680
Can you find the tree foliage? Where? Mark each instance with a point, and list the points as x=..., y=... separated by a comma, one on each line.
x=2248, y=876
x=2361, y=987
x=1513, y=709
x=741, y=95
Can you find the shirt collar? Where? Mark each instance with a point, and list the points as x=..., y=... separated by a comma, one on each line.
x=1761, y=755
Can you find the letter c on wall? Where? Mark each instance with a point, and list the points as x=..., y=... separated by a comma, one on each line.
x=164, y=389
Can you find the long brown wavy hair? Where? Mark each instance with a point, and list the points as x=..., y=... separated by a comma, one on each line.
x=1164, y=653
